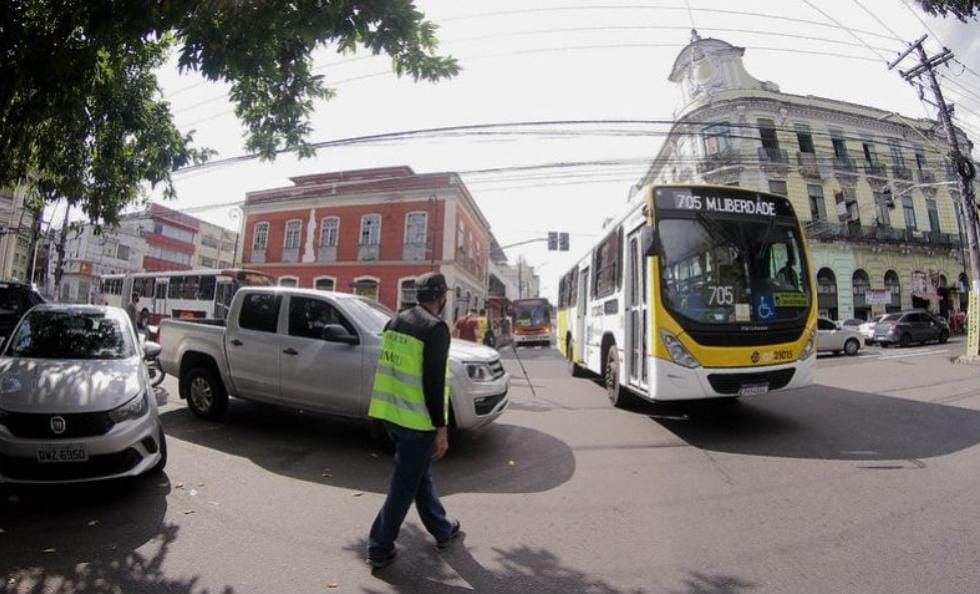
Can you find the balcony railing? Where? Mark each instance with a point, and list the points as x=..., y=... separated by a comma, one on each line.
x=903, y=173
x=875, y=169
x=718, y=160
x=413, y=252
x=844, y=164
x=327, y=253
x=368, y=252
x=258, y=255
x=827, y=231
x=809, y=166
x=772, y=155
x=290, y=254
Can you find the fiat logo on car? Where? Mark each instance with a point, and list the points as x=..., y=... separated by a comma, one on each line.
x=755, y=356
x=58, y=425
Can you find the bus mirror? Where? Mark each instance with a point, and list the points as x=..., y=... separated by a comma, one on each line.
x=648, y=241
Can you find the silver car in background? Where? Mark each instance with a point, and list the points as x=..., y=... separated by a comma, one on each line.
x=836, y=338
x=75, y=398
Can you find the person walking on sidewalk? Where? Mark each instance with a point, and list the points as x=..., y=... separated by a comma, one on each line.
x=411, y=399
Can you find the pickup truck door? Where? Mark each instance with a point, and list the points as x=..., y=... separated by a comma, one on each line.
x=318, y=374
x=253, y=346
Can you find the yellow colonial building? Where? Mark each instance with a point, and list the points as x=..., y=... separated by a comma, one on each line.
x=880, y=201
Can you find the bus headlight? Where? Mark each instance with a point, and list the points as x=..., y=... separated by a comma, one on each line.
x=810, y=347
x=678, y=353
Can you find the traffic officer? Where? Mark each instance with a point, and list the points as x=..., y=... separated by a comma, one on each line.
x=411, y=399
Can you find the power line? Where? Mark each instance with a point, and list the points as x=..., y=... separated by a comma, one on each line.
x=848, y=30
x=880, y=22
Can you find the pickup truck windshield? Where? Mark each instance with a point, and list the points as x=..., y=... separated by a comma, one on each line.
x=372, y=315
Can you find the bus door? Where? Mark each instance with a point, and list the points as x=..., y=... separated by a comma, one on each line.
x=636, y=312
x=160, y=298
x=222, y=297
x=580, y=313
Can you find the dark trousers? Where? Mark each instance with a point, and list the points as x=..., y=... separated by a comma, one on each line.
x=411, y=482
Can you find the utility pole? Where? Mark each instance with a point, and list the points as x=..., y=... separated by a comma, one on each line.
x=965, y=169
x=59, y=269
x=35, y=237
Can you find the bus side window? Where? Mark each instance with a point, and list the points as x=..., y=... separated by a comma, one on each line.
x=176, y=287
x=206, y=288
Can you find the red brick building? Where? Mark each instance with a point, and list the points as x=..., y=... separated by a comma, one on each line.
x=371, y=232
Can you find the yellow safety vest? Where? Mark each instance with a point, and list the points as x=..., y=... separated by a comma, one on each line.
x=398, y=395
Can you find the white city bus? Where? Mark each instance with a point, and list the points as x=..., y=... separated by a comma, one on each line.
x=180, y=293
x=696, y=292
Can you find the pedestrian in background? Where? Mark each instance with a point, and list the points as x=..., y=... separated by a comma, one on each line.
x=467, y=326
x=411, y=399
x=132, y=309
x=483, y=331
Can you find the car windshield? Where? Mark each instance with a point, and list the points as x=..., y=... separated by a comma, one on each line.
x=372, y=315
x=50, y=334
x=724, y=270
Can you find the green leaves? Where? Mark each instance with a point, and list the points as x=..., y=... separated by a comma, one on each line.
x=81, y=112
x=961, y=9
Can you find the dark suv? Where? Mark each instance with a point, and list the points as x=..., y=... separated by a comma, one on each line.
x=15, y=299
x=906, y=327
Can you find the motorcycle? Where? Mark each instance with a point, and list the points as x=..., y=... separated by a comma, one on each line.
x=157, y=375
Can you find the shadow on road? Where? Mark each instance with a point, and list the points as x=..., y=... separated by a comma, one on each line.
x=822, y=422
x=85, y=538
x=419, y=568
x=500, y=458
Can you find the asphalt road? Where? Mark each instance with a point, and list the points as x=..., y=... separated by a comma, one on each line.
x=866, y=482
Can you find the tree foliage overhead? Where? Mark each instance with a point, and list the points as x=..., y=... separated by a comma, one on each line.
x=961, y=9
x=82, y=116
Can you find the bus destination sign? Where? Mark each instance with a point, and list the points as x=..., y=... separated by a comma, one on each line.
x=715, y=200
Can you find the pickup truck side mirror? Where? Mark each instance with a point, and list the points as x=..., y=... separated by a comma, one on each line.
x=151, y=350
x=337, y=333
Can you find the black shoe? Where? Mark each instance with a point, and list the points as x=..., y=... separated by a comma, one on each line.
x=385, y=561
x=444, y=544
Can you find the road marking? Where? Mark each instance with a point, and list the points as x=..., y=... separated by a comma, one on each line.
x=913, y=354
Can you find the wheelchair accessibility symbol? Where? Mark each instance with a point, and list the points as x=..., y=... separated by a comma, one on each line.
x=765, y=309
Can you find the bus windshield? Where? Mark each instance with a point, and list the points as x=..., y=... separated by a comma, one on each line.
x=532, y=313
x=719, y=269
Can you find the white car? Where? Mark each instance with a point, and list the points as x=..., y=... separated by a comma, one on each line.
x=75, y=398
x=835, y=338
x=867, y=329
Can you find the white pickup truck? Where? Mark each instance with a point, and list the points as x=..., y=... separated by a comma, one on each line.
x=310, y=350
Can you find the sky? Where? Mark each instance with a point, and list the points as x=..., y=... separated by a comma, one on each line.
x=533, y=61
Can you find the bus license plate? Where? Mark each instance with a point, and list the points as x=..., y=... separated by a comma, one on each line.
x=753, y=389
x=69, y=452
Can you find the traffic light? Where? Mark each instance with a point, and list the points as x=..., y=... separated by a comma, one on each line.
x=552, y=241
x=563, y=242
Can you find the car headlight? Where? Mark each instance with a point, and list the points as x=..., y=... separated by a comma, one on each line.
x=810, y=347
x=678, y=353
x=133, y=409
x=478, y=372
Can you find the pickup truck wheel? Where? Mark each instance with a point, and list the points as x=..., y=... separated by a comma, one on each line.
x=206, y=396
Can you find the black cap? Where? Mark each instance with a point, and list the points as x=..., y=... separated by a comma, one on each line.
x=431, y=286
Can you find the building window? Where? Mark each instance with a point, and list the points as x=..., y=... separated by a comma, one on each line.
x=883, y=208
x=840, y=146
x=460, y=236
x=366, y=287
x=291, y=239
x=415, y=227
x=173, y=232
x=324, y=283
x=122, y=252
x=870, y=156
x=933, y=215
x=329, y=232
x=898, y=160
x=288, y=281
x=804, y=138
x=778, y=186
x=767, y=133
x=717, y=138
x=370, y=229
x=260, y=236
x=818, y=209
x=408, y=296
x=909, y=211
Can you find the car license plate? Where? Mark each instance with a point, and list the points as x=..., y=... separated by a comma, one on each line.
x=69, y=452
x=753, y=389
